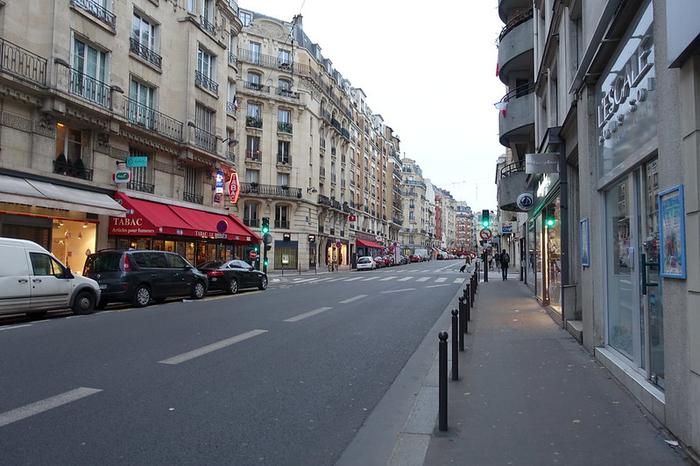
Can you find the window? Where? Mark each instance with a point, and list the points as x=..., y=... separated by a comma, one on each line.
x=284, y=123
x=252, y=150
x=141, y=99
x=89, y=73
x=281, y=216
x=205, y=63
x=44, y=265
x=283, y=179
x=246, y=18
x=283, y=152
x=284, y=59
x=255, y=48
x=250, y=211
x=69, y=153
x=141, y=176
x=252, y=176
x=284, y=116
x=175, y=261
x=231, y=99
x=191, y=5
x=204, y=118
x=191, y=184
x=143, y=31
x=253, y=110
x=284, y=85
x=207, y=9
x=254, y=81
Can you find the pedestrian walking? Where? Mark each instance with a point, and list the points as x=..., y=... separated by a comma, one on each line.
x=505, y=261
x=467, y=261
x=497, y=258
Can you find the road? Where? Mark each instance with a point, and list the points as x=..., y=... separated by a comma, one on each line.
x=284, y=376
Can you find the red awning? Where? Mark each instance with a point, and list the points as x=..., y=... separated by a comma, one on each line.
x=369, y=244
x=146, y=218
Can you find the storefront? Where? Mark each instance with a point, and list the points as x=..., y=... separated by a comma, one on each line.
x=337, y=252
x=64, y=220
x=369, y=248
x=199, y=236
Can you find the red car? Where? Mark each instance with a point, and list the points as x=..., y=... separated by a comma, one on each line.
x=414, y=258
x=379, y=260
x=389, y=261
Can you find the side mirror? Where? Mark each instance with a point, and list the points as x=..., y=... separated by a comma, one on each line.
x=188, y=267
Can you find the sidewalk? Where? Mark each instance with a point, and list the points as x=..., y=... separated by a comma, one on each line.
x=529, y=394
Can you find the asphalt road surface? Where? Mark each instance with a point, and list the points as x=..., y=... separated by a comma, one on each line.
x=280, y=377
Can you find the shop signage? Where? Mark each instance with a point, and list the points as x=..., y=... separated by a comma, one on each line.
x=122, y=176
x=541, y=163
x=312, y=238
x=219, y=182
x=137, y=161
x=285, y=259
x=507, y=228
x=234, y=187
x=525, y=201
x=130, y=226
x=485, y=234
x=210, y=235
x=286, y=237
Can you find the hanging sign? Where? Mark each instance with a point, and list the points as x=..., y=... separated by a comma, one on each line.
x=525, y=201
x=137, y=161
x=219, y=182
x=234, y=187
x=122, y=176
x=541, y=163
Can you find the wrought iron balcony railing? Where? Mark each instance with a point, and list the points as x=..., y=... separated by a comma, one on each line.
x=90, y=89
x=136, y=47
x=232, y=58
x=284, y=159
x=269, y=61
x=140, y=186
x=253, y=122
x=256, y=189
x=207, y=25
x=253, y=155
x=22, y=63
x=256, y=87
x=205, y=82
x=96, y=10
x=152, y=119
x=284, y=127
x=205, y=140
x=72, y=169
x=511, y=168
x=514, y=22
x=231, y=107
x=287, y=93
x=192, y=197
x=520, y=91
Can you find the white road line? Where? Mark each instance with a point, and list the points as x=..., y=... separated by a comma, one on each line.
x=304, y=280
x=457, y=280
x=14, y=327
x=387, y=278
x=397, y=291
x=423, y=279
x=355, y=298
x=44, y=405
x=352, y=279
x=308, y=314
x=322, y=280
x=437, y=286
x=440, y=280
x=213, y=347
x=334, y=280
x=370, y=278
x=404, y=279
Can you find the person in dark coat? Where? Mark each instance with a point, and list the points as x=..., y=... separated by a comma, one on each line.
x=505, y=261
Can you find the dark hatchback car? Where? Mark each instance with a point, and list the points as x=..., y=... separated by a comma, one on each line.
x=140, y=276
x=233, y=275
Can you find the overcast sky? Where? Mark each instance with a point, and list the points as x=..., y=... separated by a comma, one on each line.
x=429, y=71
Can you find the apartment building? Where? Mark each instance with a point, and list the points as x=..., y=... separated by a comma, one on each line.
x=414, y=234
x=610, y=190
x=114, y=126
x=314, y=158
x=464, y=239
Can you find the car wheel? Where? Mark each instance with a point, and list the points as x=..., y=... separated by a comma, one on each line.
x=199, y=290
x=84, y=303
x=233, y=286
x=263, y=283
x=142, y=296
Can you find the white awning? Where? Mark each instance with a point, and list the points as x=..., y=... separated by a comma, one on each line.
x=42, y=194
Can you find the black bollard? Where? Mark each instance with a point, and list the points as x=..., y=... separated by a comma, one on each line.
x=472, y=295
x=468, y=307
x=442, y=382
x=462, y=317
x=455, y=337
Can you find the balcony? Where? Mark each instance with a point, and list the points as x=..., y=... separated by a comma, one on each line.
x=152, y=120
x=231, y=107
x=256, y=87
x=331, y=202
x=205, y=82
x=515, y=47
x=193, y=198
x=508, y=8
x=269, y=61
x=205, y=140
x=519, y=121
x=345, y=133
x=511, y=183
x=268, y=190
x=287, y=93
x=232, y=59
x=253, y=122
x=253, y=155
x=139, y=186
x=90, y=89
x=284, y=127
x=22, y=63
x=96, y=10
x=139, y=49
x=75, y=170
x=207, y=25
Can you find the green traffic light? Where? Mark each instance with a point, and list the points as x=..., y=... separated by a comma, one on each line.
x=485, y=223
x=266, y=262
x=256, y=249
x=550, y=222
x=265, y=229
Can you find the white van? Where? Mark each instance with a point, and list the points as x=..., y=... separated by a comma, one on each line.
x=32, y=280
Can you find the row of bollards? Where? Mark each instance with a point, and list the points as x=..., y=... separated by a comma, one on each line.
x=460, y=327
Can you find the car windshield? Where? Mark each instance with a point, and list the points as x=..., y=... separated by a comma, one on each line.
x=103, y=262
x=363, y=260
x=211, y=265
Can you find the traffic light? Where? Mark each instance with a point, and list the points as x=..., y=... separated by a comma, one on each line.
x=266, y=262
x=256, y=248
x=265, y=225
x=485, y=218
x=550, y=221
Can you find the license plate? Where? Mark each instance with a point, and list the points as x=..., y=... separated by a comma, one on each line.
x=214, y=279
x=104, y=286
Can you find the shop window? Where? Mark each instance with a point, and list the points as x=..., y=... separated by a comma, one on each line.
x=69, y=152
x=72, y=242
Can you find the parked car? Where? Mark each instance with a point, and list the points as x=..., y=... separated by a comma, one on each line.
x=143, y=276
x=389, y=261
x=414, y=258
x=379, y=260
x=32, y=280
x=403, y=260
x=366, y=263
x=234, y=275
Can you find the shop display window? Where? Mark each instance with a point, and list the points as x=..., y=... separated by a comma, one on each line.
x=72, y=241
